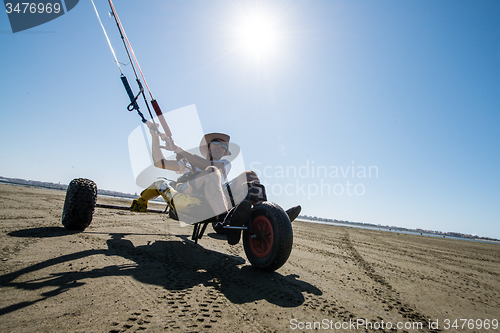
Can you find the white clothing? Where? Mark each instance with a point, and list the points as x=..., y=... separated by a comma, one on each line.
x=227, y=168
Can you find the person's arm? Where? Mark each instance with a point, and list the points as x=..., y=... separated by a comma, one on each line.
x=160, y=161
x=198, y=161
x=158, y=158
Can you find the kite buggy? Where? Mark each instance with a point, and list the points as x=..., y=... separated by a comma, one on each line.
x=266, y=227
x=267, y=235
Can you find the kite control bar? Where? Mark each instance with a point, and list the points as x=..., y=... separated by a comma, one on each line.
x=133, y=98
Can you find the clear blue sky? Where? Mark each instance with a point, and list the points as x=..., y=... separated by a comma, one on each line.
x=409, y=90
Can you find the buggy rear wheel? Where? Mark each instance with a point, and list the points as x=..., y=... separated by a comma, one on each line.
x=270, y=243
x=79, y=204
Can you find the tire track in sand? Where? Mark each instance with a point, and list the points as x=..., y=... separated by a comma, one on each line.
x=386, y=294
x=185, y=297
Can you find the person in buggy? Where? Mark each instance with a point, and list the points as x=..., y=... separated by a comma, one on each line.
x=206, y=178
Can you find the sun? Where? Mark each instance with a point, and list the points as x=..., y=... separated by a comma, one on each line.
x=258, y=35
x=258, y=32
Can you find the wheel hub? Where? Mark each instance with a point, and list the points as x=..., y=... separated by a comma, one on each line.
x=261, y=242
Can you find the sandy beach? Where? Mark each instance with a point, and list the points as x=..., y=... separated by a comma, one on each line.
x=131, y=272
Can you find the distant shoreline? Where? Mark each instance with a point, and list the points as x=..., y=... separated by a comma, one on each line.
x=415, y=233
x=63, y=187
x=448, y=235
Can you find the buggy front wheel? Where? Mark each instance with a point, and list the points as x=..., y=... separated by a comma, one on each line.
x=269, y=243
x=79, y=204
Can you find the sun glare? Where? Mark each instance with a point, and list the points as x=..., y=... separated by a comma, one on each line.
x=257, y=30
x=258, y=36
x=259, y=39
